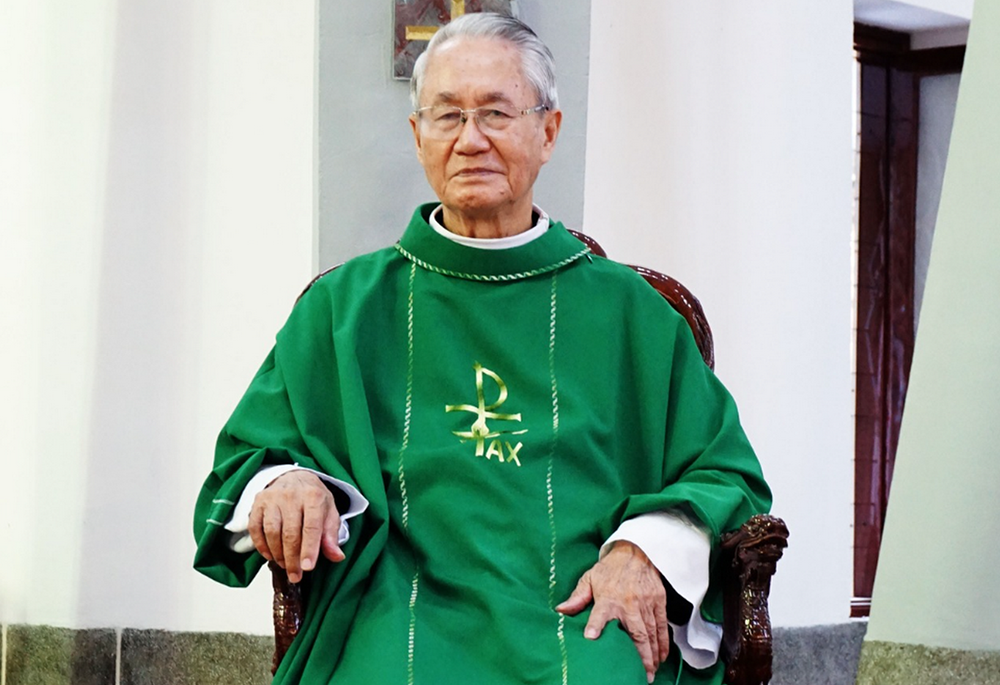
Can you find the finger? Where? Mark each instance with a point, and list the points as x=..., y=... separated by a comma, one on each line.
x=600, y=615
x=256, y=529
x=640, y=637
x=662, y=629
x=583, y=595
x=331, y=550
x=291, y=543
x=313, y=520
x=272, y=534
x=653, y=636
x=331, y=532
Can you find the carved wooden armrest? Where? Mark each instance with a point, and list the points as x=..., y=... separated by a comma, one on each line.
x=750, y=555
x=288, y=612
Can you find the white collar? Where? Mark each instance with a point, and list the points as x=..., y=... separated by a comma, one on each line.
x=516, y=240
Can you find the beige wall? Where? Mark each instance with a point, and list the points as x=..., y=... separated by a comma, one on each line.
x=720, y=153
x=937, y=578
x=156, y=200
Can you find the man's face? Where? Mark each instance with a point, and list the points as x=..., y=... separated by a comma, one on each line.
x=474, y=175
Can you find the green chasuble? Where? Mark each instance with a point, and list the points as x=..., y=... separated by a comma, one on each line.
x=503, y=411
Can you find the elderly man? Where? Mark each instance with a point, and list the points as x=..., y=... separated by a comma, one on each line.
x=517, y=429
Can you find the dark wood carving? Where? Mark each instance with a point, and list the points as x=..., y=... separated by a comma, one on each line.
x=288, y=612
x=589, y=242
x=749, y=554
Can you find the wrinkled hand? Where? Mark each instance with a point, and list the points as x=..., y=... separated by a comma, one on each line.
x=292, y=520
x=625, y=585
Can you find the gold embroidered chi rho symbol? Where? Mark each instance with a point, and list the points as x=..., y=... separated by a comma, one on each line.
x=480, y=431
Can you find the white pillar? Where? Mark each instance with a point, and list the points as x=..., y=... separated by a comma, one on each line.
x=719, y=151
x=156, y=203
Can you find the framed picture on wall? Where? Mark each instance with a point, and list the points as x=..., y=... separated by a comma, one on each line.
x=417, y=20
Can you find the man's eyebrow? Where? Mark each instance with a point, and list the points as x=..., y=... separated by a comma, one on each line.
x=448, y=98
x=444, y=98
x=497, y=96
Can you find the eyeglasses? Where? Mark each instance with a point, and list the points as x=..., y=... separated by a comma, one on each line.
x=443, y=122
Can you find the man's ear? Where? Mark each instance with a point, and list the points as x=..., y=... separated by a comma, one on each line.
x=415, y=125
x=553, y=122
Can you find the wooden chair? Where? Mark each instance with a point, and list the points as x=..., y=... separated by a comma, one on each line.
x=749, y=555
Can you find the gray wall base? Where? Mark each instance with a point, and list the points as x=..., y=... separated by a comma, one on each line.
x=818, y=655
x=43, y=655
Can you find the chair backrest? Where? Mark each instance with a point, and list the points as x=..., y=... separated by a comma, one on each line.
x=749, y=555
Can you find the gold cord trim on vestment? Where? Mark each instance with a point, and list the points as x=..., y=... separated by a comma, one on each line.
x=491, y=277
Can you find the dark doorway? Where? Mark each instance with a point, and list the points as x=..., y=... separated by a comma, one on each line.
x=889, y=104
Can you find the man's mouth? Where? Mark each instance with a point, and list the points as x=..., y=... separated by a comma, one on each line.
x=476, y=171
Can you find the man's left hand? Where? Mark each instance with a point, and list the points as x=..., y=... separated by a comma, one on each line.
x=625, y=585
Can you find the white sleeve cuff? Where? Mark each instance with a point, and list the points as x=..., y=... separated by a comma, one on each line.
x=679, y=547
x=239, y=523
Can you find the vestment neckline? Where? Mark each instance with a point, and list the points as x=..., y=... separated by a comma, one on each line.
x=553, y=250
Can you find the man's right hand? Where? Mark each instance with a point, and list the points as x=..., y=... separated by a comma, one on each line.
x=292, y=520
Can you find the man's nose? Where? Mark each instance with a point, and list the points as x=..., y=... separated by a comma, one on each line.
x=470, y=137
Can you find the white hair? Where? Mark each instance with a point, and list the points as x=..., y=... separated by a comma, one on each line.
x=537, y=63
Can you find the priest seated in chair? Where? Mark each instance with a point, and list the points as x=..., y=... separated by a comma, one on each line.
x=479, y=447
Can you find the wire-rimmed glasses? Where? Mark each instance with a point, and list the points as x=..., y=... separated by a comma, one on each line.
x=443, y=122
